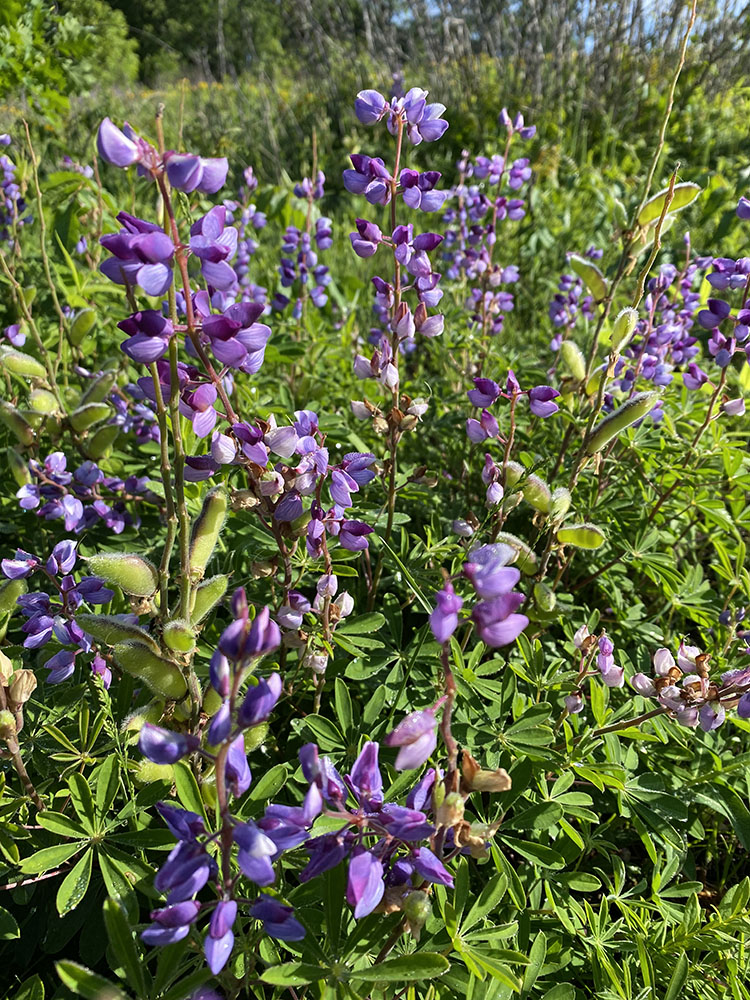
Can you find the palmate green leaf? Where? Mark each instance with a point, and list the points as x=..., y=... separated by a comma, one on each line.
x=107, y=778
x=538, y=854
x=124, y=947
x=269, y=784
x=59, y=823
x=406, y=969
x=489, y=961
x=75, y=884
x=537, y=817
x=343, y=705
x=50, y=857
x=488, y=900
x=87, y=984
x=82, y=799
x=678, y=979
x=188, y=791
x=294, y=974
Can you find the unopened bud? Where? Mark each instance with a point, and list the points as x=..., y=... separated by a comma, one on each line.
x=451, y=811
x=22, y=686
x=417, y=909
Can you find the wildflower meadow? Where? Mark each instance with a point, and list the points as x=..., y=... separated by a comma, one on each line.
x=375, y=503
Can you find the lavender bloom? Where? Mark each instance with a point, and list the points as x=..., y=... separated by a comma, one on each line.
x=540, y=400
x=121, y=148
x=444, y=618
x=148, y=336
x=365, y=886
x=484, y=393
x=215, y=244
x=260, y=701
x=496, y=622
x=142, y=255
x=219, y=941
x=278, y=920
x=162, y=746
x=419, y=190
x=369, y=176
x=416, y=735
x=196, y=173
x=487, y=569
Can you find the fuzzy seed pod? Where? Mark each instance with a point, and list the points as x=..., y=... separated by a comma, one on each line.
x=162, y=676
x=206, y=530
x=178, y=636
x=537, y=493
x=146, y=773
x=545, y=598
x=10, y=591
x=525, y=558
x=88, y=415
x=573, y=359
x=15, y=423
x=212, y=701
x=19, y=363
x=19, y=467
x=417, y=909
x=130, y=572
x=513, y=472
x=623, y=328
x=581, y=536
x=100, y=444
x=560, y=505
x=111, y=629
x=634, y=409
x=208, y=593
x=7, y=725
x=82, y=326
x=43, y=401
x=682, y=195
x=99, y=389
x=591, y=275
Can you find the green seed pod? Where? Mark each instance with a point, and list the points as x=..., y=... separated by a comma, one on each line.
x=99, y=389
x=178, y=636
x=634, y=409
x=561, y=500
x=591, y=275
x=146, y=773
x=208, y=593
x=111, y=629
x=299, y=524
x=513, y=472
x=43, y=401
x=212, y=701
x=620, y=214
x=594, y=381
x=581, y=536
x=162, y=676
x=183, y=710
x=132, y=573
x=255, y=736
x=33, y=418
x=132, y=725
x=19, y=467
x=100, y=444
x=537, y=493
x=10, y=591
x=82, y=326
x=544, y=597
x=622, y=329
x=7, y=725
x=525, y=558
x=682, y=195
x=417, y=908
x=206, y=530
x=19, y=363
x=88, y=415
x=15, y=423
x=574, y=360
x=29, y=294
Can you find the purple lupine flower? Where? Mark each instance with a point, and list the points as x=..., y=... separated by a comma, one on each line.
x=148, y=336
x=278, y=920
x=21, y=566
x=256, y=852
x=366, y=240
x=196, y=173
x=540, y=400
x=488, y=571
x=370, y=106
x=419, y=190
x=60, y=666
x=416, y=735
x=365, y=886
x=431, y=868
x=219, y=941
x=260, y=701
x=484, y=393
x=365, y=778
x=215, y=244
x=238, y=776
x=162, y=746
x=496, y=620
x=142, y=255
x=119, y=147
x=369, y=176
x=444, y=617
x=353, y=535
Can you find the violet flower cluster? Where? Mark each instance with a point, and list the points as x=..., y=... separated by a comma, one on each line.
x=495, y=617
x=84, y=497
x=486, y=392
x=52, y=619
x=13, y=211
